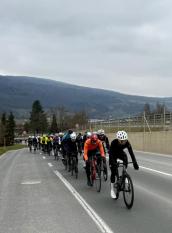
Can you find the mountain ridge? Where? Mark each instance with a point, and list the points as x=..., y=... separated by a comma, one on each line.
x=17, y=94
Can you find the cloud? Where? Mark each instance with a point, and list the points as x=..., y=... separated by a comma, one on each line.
x=119, y=45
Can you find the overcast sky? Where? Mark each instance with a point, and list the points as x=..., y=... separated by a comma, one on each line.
x=120, y=45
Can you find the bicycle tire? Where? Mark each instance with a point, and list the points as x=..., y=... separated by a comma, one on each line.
x=72, y=166
x=56, y=155
x=105, y=172
x=76, y=172
x=34, y=149
x=92, y=175
x=116, y=187
x=30, y=148
x=48, y=152
x=75, y=167
x=65, y=163
x=98, y=178
x=128, y=191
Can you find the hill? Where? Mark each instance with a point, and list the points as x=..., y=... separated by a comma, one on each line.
x=17, y=94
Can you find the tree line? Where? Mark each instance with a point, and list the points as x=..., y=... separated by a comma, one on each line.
x=159, y=109
x=7, y=129
x=53, y=121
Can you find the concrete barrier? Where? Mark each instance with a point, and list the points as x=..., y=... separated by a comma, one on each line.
x=158, y=142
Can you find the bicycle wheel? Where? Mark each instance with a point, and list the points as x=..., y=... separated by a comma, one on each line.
x=116, y=187
x=98, y=178
x=92, y=174
x=72, y=166
x=105, y=172
x=75, y=167
x=65, y=162
x=128, y=191
x=34, y=148
x=49, y=152
x=56, y=155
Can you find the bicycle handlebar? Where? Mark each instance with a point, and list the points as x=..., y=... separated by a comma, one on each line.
x=122, y=164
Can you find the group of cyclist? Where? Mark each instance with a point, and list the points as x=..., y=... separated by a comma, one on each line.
x=91, y=143
x=46, y=143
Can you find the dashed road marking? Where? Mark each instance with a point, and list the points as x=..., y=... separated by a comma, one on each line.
x=50, y=165
x=31, y=182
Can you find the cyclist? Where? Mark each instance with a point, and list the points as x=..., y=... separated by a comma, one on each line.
x=85, y=137
x=34, y=142
x=71, y=149
x=49, y=144
x=61, y=134
x=92, y=146
x=79, y=140
x=60, y=142
x=30, y=142
x=44, y=143
x=116, y=152
x=56, y=146
x=105, y=141
x=64, y=140
x=39, y=142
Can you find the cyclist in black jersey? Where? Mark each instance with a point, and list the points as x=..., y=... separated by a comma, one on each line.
x=117, y=152
x=105, y=141
x=71, y=149
x=79, y=140
x=35, y=142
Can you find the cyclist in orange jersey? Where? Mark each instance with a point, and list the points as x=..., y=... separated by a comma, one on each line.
x=93, y=146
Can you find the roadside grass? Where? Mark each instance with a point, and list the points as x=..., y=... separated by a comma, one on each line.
x=8, y=148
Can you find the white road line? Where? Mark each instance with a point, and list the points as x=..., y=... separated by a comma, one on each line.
x=44, y=157
x=156, y=171
x=50, y=165
x=91, y=212
x=154, y=153
x=31, y=182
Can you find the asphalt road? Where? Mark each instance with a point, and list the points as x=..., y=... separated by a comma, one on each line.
x=38, y=195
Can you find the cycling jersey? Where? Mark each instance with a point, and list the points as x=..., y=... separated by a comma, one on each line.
x=71, y=147
x=104, y=140
x=88, y=146
x=116, y=149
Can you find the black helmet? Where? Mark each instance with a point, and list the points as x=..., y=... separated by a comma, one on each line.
x=70, y=131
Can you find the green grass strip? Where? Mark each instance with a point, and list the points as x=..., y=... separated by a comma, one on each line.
x=8, y=148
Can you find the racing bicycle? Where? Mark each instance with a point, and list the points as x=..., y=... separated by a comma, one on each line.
x=123, y=183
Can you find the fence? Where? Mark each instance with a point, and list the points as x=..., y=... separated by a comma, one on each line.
x=151, y=133
x=153, y=122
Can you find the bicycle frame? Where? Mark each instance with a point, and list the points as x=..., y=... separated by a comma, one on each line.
x=95, y=172
x=93, y=164
x=123, y=173
x=74, y=166
x=124, y=183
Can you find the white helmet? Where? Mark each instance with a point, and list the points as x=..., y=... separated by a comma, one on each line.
x=101, y=132
x=122, y=135
x=94, y=132
x=73, y=136
x=89, y=134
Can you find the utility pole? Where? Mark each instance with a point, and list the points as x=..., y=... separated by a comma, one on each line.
x=164, y=118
